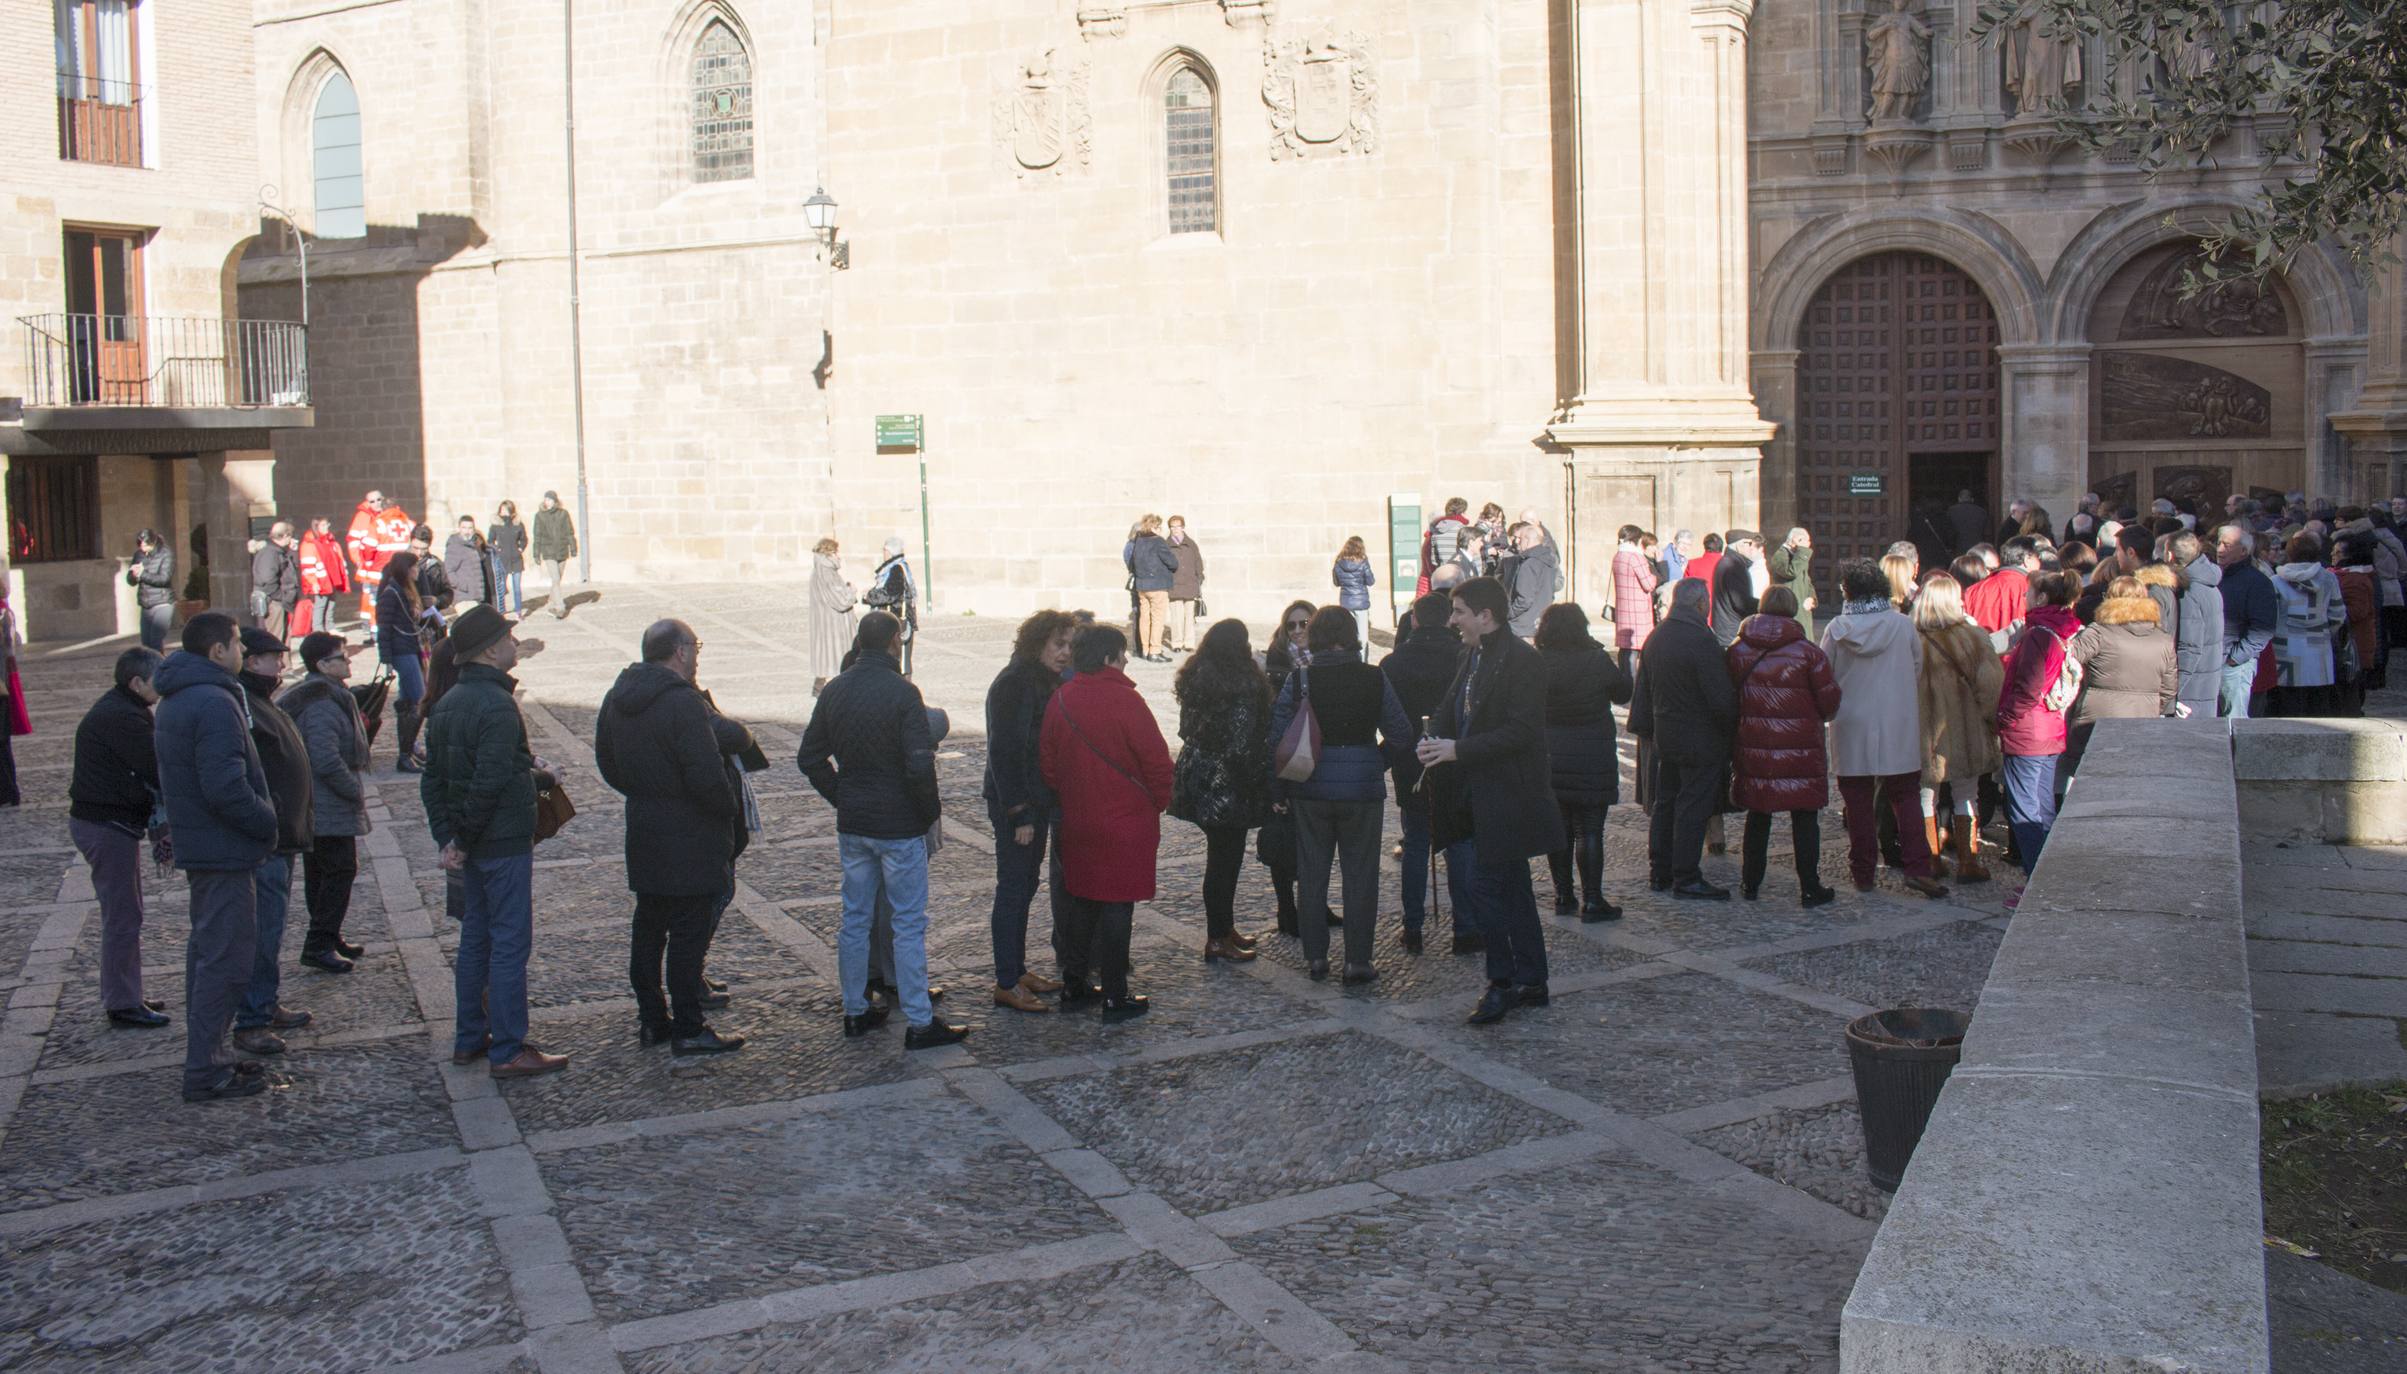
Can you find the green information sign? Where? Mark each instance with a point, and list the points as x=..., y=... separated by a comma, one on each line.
x=1866, y=484
x=898, y=433
x=1404, y=549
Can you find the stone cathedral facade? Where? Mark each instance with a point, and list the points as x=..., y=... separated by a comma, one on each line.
x=1284, y=267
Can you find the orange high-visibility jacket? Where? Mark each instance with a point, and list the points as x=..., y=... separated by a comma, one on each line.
x=375, y=536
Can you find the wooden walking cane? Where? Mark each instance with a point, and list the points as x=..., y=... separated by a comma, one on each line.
x=1429, y=796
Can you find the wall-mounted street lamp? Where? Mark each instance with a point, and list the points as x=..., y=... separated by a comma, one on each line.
x=820, y=211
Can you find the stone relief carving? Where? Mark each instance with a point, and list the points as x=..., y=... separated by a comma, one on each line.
x=1241, y=12
x=2041, y=68
x=1102, y=21
x=2148, y=396
x=1898, y=48
x=1042, y=119
x=2226, y=309
x=1323, y=94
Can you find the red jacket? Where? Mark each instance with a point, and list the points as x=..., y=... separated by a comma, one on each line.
x=1701, y=568
x=1998, y=600
x=375, y=536
x=1786, y=693
x=2025, y=726
x=1112, y=773
x=1633, y=599
x=322, y=571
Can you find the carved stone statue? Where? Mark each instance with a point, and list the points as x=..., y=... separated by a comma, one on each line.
x=1898, y=47
x=2041, y=68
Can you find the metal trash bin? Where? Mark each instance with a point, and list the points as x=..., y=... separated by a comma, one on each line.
x=1901, y=1059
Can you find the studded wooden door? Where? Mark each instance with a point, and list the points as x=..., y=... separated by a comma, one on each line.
x=1900, y=359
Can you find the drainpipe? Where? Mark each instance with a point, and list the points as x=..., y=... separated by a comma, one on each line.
x=576, y=309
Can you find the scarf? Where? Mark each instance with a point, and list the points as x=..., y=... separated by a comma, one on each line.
x=1871, y=607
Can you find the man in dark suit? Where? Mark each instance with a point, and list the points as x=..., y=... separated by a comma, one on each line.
x=1487, y=756
x=1686, y=705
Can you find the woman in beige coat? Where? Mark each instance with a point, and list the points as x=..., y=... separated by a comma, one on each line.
x=832, y=600
x=2129, y=670
x=1960, y=681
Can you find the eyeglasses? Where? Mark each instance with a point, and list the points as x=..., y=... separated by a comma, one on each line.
x=1298, y=624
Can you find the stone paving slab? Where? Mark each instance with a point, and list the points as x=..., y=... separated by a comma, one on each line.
x=315, y=1281
x=377, y=993
x=131, y=1134
x=2322, y=992
x=1606, y=1265
x=1819, y=1151
x=1086, y=1319
x=1663, y=1044
x=1940, y=967
x=1243, y=1126
x=589, y=963
x=1436, y=972
x=660, y=1225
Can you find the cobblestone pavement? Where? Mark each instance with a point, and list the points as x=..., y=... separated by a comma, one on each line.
x=1660, y=1171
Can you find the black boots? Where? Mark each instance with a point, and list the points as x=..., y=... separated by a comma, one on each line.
x=406, y=720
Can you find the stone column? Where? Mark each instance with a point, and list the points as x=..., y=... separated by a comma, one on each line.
x=2375, y=428
x=234, y=486
x=2046, y=413
x=1662, y=266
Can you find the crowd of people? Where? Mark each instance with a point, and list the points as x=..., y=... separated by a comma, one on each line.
x=1934, y=695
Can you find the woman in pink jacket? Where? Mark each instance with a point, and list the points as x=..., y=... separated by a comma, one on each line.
x=1633, y=592
x=2031, y=733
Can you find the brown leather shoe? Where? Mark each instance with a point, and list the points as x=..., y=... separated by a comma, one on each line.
x=1242, y=940
x=529, y=1063
x=1020, y=999
x=1038, y=983
x=1227, y=949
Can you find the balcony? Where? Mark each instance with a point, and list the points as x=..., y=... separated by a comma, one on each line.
x=149, y=372
x=100, y=120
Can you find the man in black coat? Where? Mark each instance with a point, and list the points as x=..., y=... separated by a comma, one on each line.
x=275, y=579
x=109, y=800
x=1686, y=705
x=1423, y=664
x=1734, y=584
x=284, y=758
x=869, y=751
x=1487, y=752
x=656, y=744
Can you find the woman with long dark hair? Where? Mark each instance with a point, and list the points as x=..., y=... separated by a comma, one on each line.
x=1018, y=804
x=1339, y=807
x=1582, y=685
x=1275, y=846
x=1221, y=782
x=398, y=610
x=508, y=542
x=152, y=575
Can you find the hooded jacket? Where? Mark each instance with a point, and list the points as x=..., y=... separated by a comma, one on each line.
x=322, y=571
x=1786, y=693
x=1733, y=596
x=1353, y=578
x=218, y=804
x=284, y=759
x=328, y=718
x=2025, y=726
x=2312, y=611
x=655, y=745
x=2128, y=665
x=2198, y=637
x=1876, y=655
x=555, y=535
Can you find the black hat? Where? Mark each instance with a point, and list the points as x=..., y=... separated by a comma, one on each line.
x=258, y=641
x=477, y=629
x=1741, y=537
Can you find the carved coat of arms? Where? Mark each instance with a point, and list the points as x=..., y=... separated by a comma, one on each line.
x=1041, y=119
x=1323, y=94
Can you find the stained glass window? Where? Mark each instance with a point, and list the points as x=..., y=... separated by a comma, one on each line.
x=722, y=106
x=1193, y=156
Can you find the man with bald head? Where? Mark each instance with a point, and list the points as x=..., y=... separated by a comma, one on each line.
x=655, y=742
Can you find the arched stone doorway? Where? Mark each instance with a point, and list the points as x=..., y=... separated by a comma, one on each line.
x=1897, y=406
x=2194, y=397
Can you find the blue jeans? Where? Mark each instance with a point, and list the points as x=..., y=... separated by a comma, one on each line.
x=409, y=679
x=273, y=881
x=489, y=975
x=514, y=592
x=1018, y=867
x=2237, y=679
x=1417, y=841
x=1506, y=907
x=899, y=869
x=2031, y=802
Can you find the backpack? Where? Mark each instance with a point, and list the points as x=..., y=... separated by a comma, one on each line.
x=2066, y=689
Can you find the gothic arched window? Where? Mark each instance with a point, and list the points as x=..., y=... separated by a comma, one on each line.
x=722, y=93
x=336, y=173
x=1191, y=144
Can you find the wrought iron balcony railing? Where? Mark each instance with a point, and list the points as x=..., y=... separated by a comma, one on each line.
x=100, y=120
x=162, y=362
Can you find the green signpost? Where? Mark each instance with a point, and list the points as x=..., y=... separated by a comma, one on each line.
x=1404, y=552
x=908, y=434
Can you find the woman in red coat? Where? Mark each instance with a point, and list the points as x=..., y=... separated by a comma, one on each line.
x=1102, y=754
x=323, y=578
x=1786, y=694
